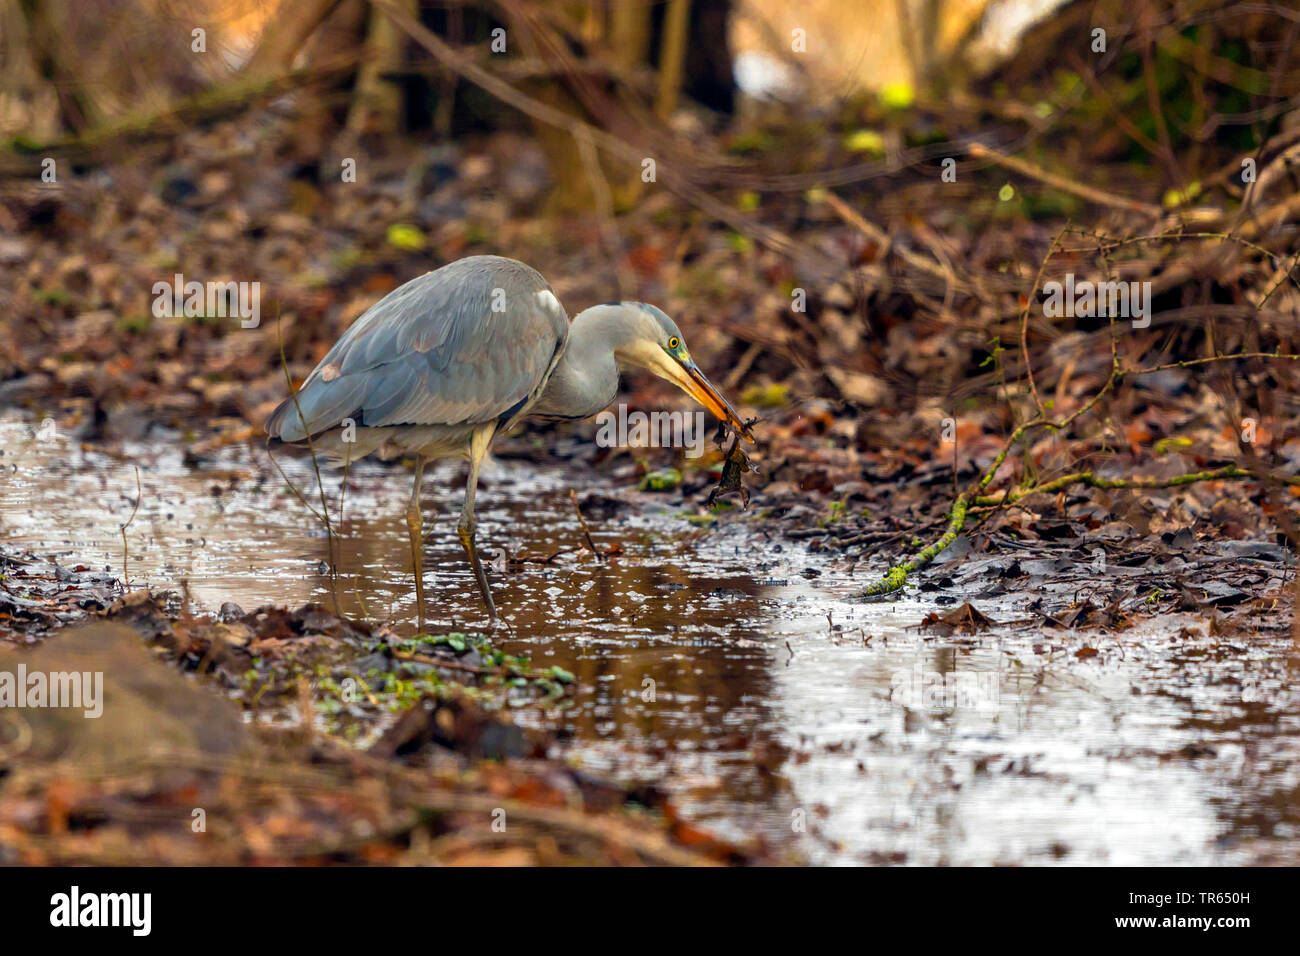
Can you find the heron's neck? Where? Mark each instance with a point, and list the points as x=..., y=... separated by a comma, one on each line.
x=586, y=378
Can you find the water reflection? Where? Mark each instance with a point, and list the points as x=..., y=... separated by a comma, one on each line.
x=707, y=664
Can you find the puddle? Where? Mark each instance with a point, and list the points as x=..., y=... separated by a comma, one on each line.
x=769, y=703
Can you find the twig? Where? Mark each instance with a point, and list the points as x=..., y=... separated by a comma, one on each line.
x=126, y=577
x=1098, y=196
x=586, y=531
x=1185, y=268
x=324, y=516
x=896, y=577
x=936, y=246
x=877, y=235
x=207, y=105
x=1099, y=91
x=1226, y=473
x=1024, y=322
x=1188, y=363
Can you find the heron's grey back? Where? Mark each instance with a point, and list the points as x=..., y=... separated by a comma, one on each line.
x=436, y=352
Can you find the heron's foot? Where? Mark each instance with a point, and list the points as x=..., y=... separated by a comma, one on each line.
x=466, y=535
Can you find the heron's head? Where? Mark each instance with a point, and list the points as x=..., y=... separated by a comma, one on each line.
x=657, y=344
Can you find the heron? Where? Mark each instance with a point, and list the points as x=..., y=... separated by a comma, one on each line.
x=445, y=362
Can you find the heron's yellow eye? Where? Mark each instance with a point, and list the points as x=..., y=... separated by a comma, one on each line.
x=673, y=342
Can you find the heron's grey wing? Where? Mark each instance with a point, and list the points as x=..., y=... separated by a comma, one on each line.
x=468, y=343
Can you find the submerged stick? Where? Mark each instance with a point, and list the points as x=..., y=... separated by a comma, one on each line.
x=586, y=531
x=324, y=516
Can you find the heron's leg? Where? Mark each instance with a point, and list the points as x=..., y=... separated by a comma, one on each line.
x=478, y=447
x=414, y=524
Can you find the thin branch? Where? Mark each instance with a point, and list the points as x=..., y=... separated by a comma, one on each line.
x=896, y=577
x=877, y=235
x=1024, y=321
x=1187, y=363
x=1226, y=473
x=1090, y=193
x=324, y=515
x=586, y=531
x=126, y=576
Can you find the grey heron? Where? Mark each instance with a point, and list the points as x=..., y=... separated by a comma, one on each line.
x=443, y=363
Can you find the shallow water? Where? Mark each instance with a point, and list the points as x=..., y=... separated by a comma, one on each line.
x=767, y=702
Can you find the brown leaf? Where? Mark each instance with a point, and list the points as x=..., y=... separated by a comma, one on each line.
x=965, y=618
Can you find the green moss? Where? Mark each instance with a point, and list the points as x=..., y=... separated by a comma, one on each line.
x=53, y=296
x=134, y=324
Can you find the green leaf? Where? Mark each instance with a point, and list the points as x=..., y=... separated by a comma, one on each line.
x=865, y=141
x=405, y=237
x=1165, y=445
x=897, y=96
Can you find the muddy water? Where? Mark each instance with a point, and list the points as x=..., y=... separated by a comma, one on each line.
x=767, y=701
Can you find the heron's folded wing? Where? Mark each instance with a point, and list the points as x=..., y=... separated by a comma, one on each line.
x=467, y=343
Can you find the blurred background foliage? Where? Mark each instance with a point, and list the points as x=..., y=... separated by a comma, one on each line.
x=1180, y=81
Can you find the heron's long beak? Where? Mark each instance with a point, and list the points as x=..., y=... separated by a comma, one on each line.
x=688, y=377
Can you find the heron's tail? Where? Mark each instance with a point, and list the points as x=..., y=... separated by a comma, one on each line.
x=284, y=424
x=317, y=407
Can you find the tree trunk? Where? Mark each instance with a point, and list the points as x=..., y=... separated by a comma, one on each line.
x=377, y=99
x=286, y=33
